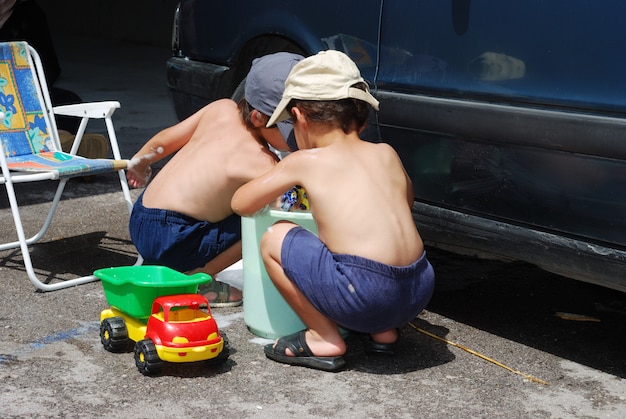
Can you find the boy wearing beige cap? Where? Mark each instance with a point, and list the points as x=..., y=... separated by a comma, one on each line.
x=367, y=271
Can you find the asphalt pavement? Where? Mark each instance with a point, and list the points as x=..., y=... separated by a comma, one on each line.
x=497, y=340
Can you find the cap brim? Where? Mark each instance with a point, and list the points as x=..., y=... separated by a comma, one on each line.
x=286, y=130
x=280, y=113
x=363, y=95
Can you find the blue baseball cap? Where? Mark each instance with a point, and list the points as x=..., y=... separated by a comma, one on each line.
x=265, y=84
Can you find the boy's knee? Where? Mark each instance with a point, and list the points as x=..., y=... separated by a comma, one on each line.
x=272, y=239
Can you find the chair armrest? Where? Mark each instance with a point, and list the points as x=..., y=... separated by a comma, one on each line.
x=89, y=110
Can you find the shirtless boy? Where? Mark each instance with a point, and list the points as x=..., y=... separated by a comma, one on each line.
x=367, y=271
x=183, y=218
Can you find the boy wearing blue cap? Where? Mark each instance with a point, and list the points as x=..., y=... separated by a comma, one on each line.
x=183, y=219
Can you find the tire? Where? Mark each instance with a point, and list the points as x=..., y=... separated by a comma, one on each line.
x=146, y=358
x=261, y=47
x=223, y=356
x=114, y=335
x=240, y=91
x=257, y=48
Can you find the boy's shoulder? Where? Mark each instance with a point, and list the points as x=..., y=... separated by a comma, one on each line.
x=218, y=107
x=223, y=104
x=221, y=111
x=380, y=148
x=378, y=154
x=225, y=101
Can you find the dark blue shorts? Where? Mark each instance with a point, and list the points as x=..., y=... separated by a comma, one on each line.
x=357, y=293
x=180, y=242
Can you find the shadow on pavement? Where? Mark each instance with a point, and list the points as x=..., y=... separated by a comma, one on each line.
x=414, y=352
x=73, y=256
x=581, y=322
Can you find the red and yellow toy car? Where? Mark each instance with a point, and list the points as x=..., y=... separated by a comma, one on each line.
x=178, y=328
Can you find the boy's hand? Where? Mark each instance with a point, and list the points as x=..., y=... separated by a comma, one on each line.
x=139, y=170
x=139, y=174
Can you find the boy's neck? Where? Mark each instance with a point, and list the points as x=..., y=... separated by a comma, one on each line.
x=331, y=136
x=257, y=135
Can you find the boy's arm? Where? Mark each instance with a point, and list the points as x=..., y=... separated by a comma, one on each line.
x=409, y=191
x=410, y=195
x=265, y=189
x=163, y=144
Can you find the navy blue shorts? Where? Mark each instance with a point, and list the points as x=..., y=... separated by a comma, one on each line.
x=169, y=238
x=357, y=293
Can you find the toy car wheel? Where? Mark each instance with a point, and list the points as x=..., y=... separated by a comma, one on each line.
x=114, y=335
x=146, y=358
x=223, y=356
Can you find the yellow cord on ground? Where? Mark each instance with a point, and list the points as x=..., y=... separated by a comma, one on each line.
x=530, y=377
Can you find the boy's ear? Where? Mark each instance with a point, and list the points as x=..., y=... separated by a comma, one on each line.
x=258, y=119
x=298, y=116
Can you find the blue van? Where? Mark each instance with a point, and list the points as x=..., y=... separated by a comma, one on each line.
x=510, y=117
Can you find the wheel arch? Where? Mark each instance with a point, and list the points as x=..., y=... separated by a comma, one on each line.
x=257, y=47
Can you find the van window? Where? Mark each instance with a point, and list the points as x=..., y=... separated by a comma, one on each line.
x=567, y=54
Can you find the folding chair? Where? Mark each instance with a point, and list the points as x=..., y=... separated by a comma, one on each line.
x=30, y=148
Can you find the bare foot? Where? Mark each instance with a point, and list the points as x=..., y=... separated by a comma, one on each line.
x=388, y=336
x=221, y=294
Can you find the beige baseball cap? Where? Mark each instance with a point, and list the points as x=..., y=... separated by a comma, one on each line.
x=328, y=75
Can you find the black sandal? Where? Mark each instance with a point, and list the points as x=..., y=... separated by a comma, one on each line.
x=376, y=348
x=373, y=347
x=302, y=354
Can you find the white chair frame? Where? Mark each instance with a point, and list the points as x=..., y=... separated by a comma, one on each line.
x=85, y=111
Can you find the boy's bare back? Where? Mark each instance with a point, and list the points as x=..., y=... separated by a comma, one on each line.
x=221, y=155
x=360, y=195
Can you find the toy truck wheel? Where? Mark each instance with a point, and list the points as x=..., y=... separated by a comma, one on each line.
x=114, y=335
x=146, y=358
x=223, y=356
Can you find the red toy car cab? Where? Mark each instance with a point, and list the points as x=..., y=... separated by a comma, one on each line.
x=180, y=328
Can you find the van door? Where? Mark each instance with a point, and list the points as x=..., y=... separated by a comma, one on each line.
x=511, y=111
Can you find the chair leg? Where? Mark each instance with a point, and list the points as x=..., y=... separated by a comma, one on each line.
x=23, y=242
x=16, y=216
x=122, y=174
x=129, y=204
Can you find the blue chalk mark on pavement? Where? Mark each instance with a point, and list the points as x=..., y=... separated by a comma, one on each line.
x=47, y=340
